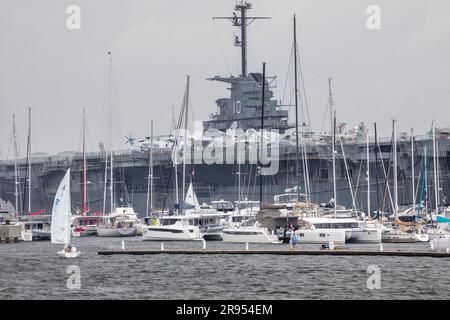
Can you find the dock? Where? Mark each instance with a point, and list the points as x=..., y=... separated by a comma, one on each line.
x=9, y=233
x=325, y=252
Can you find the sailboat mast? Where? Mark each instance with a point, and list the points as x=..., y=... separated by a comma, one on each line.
x=413, y=186
x=151, y=167
x=394, y=130
x=297, y=152
x=333, y=142
x=186, y=109
x=262, y=134
x=176, y=181
x=150, y=173
x=110, y=109
x=83, y=173
x=376, y=170
x=105, y=184
x=29, y=160
x=436, y=190
x=16, y=182
x=368, y=174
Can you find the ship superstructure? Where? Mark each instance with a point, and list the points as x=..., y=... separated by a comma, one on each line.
x=244, y=104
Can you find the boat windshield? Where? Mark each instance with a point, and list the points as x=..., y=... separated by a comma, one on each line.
x=289, y=197
x=223, y=206
x=340, y=225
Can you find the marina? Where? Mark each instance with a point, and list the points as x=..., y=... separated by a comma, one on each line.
x=245, y=198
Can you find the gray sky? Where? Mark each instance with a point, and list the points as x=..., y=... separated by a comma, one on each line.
x=401, y=71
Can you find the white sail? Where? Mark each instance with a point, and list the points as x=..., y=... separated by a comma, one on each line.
x=60, y=228
x=191, y=198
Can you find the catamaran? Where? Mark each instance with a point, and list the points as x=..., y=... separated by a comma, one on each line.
x=61, y=219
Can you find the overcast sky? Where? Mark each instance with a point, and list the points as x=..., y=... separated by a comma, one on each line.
x=401, y=71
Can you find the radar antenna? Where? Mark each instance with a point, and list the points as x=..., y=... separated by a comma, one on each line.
x=242, y=22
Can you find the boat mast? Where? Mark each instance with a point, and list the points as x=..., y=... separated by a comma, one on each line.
x=83, y=173
x=333, y=142
x=242, y=23
x=105, y=184
x=297, y=169
x=29, y=160
x=376, y=170
x=150, y=173
x=186, y=108
x=262, y=134
x=16, y=182
x=412, y=171
x=110, y=109
x=368, y=174
x=394, y=130
x=436, y=190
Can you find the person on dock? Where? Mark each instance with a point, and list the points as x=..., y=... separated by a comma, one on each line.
x=293, y=239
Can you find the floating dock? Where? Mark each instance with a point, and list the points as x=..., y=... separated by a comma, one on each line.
x=10, y=233
x=325, y=252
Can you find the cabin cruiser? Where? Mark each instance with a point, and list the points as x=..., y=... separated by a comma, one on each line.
x=339, y=230
x=85, y=225
x=196, y=223
x=123, y=222
x=241, y=228
x=211, y=226
x=39, y=226
x=174, y=228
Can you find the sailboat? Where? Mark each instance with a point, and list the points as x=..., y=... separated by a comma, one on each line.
x=61, y=214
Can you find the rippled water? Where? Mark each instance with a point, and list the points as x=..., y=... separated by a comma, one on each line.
x=34, y=271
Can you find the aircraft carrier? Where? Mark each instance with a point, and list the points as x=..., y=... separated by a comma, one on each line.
x=220, y=181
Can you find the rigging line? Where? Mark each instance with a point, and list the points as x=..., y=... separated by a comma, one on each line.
x=89, y=138
x=11, y=139
x=347, y=173
x=386, y=178
x=325, y=114
x=287, y=74
x=304, y=90
x=359, y=177
x=191, y=109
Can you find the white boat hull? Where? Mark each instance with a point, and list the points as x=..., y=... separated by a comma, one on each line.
x=250, y=235
x=441, y=243
x=213, y=234
x=365, y=236
x=321, y=236
x=27, y=235
x=116, y=232
x=38, y=234
x=64, y=254
x=169, y=233
x=405, y=238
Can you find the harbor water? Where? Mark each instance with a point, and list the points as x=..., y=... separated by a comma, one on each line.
x=32, y=270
